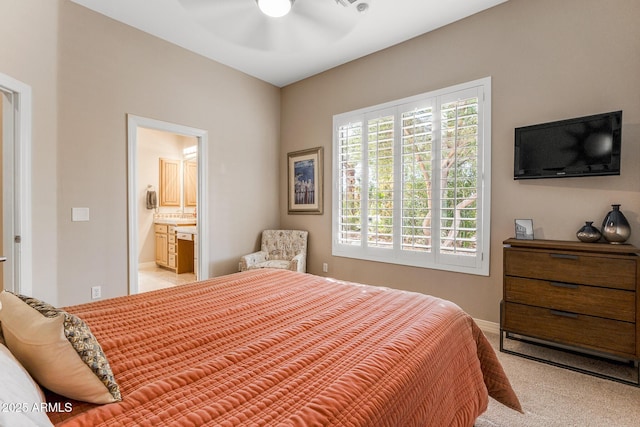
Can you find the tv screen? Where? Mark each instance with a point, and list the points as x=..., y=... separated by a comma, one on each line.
x=583, y=146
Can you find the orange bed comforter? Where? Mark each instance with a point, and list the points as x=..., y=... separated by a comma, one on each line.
x=273, y=347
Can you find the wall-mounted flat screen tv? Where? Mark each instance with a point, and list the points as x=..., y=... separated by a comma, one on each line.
x=584, y=146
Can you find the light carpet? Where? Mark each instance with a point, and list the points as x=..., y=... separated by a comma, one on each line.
x=553, y=396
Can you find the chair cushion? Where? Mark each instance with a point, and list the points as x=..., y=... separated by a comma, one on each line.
x=284, y=244
x=274, y=263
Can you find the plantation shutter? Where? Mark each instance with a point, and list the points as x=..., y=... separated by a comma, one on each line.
x=380, y=203
x=411, y=181
x=417, y=172
x=459, y=179
x=350, y=146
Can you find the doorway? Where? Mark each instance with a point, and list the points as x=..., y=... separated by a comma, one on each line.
x=159, y=140
x=15, y=135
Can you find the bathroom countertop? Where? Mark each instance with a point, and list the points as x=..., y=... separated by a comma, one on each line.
x=175, y=221
x=188, y=229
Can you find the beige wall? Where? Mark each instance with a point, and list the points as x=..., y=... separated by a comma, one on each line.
x=3, y=250
x=548, y=60
x=106, y=70
x=28, y=53
x=87, y=72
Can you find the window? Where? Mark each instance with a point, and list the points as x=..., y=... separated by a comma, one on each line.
x=412, y=180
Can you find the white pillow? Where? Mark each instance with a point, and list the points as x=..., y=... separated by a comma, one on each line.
x=20, y=397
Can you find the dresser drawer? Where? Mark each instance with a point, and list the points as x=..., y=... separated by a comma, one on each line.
x=160, y=228
x=571, y=329
x=571, y=267
x=595, y=301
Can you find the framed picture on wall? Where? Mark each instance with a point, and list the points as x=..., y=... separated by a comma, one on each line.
x=524, y=229
x=304, y=177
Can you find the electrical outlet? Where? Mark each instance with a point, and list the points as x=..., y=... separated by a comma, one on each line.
x=325, y=267
x=96, y=292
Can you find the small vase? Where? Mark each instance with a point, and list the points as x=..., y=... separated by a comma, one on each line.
x=588, y=233
x=615, y=227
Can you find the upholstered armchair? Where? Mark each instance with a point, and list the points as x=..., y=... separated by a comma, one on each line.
x=280, y=249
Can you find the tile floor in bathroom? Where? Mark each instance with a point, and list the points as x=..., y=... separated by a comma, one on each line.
x=152, y=277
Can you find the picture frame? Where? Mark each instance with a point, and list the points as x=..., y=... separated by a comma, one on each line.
x=524, y=229
x=305, y=179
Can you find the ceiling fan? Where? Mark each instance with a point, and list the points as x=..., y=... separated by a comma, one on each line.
x=279, y=8
x=277, y=25
x=275, y=8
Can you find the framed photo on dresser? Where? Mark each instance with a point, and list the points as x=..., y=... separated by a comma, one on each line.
x=524, y=229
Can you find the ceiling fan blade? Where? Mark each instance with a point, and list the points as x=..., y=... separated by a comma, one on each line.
x=325, y=23
x=310, y=23
x=236, y=21
x=217, y=5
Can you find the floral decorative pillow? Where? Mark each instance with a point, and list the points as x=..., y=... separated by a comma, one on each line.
x=58, y=349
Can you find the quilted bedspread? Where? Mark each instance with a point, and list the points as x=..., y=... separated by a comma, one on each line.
x=274, y=347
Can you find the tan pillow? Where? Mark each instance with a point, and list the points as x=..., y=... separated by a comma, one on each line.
x=58, y=349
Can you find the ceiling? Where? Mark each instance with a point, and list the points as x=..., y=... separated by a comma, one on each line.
x=315, y=36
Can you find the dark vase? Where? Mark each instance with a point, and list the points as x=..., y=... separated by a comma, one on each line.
x=615, y=227
x=588, y=233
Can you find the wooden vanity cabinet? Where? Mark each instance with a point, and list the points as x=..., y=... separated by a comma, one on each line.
x=169, y=252
x=162, y=246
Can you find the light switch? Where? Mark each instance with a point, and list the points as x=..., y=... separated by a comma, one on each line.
x=79, y=214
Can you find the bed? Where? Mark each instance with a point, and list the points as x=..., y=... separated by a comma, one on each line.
x=275, y=347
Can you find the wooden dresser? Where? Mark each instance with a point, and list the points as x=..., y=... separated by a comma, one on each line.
x=581, y=295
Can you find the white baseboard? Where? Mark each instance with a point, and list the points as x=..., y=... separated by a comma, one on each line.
x=487, y=326
x=147, y=264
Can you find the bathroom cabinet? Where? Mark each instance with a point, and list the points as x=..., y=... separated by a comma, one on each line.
x=169, y=182
x=170, y=253
x=190, y=183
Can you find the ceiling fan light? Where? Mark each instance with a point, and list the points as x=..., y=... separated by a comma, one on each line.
x=275, y=8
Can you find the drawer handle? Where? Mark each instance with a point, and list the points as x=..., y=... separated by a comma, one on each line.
x=564, y=256
x=564, y=285
x=564, y=314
